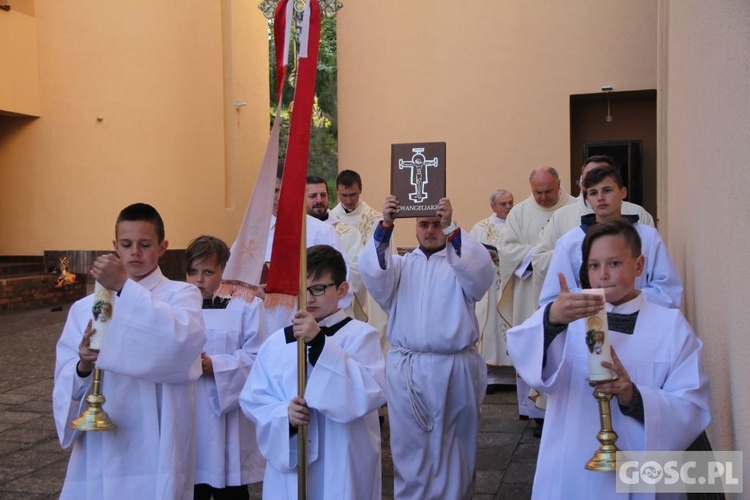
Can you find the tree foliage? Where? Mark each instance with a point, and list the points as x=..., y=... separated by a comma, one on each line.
x=324, y=131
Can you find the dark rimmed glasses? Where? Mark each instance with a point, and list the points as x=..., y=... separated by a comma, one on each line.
x=318, y=290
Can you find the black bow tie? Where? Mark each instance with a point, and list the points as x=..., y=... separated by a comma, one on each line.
x=327, y=330
x=215, y=303
x=623, y=323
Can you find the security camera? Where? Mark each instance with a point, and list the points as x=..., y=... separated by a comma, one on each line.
x=607, y=88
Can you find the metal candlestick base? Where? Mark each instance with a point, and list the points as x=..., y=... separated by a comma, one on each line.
x=604, y=458
x=94, y=418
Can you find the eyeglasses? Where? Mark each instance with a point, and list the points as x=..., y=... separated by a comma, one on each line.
x=318, y=290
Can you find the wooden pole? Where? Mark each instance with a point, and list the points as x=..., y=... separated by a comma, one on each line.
x=302, y=364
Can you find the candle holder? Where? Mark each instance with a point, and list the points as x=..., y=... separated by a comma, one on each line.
x=604, y=459
x=94, y=418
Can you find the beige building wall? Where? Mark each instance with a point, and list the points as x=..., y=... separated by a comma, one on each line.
x=19, y=77
x=491, y=78
x=705, y=87
x=136, y=103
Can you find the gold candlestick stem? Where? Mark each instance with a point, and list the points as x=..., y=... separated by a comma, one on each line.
x=94, y=418
x=604, y=459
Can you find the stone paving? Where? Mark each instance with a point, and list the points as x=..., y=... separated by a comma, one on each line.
x=32, y=464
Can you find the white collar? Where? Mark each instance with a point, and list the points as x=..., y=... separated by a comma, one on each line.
x=150, y=281
x=629, y=307
x=333, y=319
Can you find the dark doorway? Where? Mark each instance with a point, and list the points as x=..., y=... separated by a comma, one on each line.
x=629, y=137
x=629, y=159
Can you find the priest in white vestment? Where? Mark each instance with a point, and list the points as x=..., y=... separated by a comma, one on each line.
x=492, y=345
x=568, y=217
x=316, y=199
x=436, y=379
x=518, y=239
x=353, y=210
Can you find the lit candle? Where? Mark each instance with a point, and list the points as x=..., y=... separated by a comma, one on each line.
x=104, y=300
x=597, y=341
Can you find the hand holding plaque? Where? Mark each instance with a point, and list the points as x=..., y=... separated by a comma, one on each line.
x=445, y=212
x=390, y=210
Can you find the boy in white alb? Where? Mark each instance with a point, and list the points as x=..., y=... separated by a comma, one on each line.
x=605, y=193
x=345, y=387
x=227, y=456
x=661, y=396
x=150, y=359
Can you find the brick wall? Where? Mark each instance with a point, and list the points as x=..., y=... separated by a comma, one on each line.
x=79, y=262
x=34, y=292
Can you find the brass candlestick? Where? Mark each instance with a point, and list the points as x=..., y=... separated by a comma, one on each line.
x=604, y=458
x=94, y=418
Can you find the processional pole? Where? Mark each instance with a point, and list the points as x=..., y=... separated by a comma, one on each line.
x=302, y=366
x=327, y=8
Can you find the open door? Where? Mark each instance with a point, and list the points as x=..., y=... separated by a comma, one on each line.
x=629, y=137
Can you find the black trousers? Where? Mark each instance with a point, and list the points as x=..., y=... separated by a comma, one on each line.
x=205, y=491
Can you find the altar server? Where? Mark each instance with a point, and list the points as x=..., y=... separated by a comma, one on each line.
x=605, y=192
x=661, y=396
x=150, y=359
x=345, y=388
x=436, y=378
x=227, y=455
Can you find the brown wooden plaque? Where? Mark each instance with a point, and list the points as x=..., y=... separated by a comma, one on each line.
x=418, y=177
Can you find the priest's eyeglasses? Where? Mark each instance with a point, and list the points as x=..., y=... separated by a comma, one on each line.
x=318, y=290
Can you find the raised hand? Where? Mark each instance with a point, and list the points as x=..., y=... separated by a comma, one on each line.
x=390, y=209
x=445, y=212
x=569, y=307
x=109, y=271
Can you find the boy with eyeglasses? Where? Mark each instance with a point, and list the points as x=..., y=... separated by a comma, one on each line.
x=345, y=388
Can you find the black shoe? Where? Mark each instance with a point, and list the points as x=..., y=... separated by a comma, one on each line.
x=539, y=427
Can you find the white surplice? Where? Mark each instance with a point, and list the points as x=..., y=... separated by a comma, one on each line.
x=227, y=452
x=520, y=287
x=351, y=245
x=150, y=359
x=344, y=390
x=364, y=219
x=317, y=232
x=567, y=218
x=663, y=359
x=436, y=378
x=492, y=345
x=659, y=280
